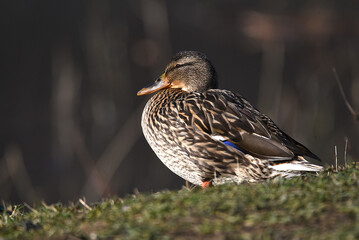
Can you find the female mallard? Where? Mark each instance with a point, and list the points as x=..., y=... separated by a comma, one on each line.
x=212, y=136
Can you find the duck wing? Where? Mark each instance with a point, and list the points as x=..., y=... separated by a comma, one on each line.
x=231, y=119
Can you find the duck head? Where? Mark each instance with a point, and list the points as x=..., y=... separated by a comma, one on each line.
x=189, y=71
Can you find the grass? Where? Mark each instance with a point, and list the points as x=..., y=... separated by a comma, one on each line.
x=309, y=207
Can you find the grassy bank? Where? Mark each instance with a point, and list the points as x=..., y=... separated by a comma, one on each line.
x=314, y=207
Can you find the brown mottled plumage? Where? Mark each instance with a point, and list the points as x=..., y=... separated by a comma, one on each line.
x=207, y=135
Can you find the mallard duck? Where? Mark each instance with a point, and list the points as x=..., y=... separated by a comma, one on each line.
x=213, y=136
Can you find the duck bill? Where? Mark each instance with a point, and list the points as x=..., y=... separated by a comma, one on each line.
x=159, y=84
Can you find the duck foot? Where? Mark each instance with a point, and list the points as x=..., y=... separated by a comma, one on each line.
x=206, y=184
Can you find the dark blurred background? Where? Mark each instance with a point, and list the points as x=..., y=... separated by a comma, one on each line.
x=70, y=70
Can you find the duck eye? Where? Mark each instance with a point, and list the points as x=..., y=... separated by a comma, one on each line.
x=177, y=65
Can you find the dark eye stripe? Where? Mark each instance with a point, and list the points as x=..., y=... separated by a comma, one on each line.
x=179, y=66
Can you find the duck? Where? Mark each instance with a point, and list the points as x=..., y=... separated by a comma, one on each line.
x=210, y=136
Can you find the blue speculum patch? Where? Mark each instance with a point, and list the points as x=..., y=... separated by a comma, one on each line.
x=228, y=143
